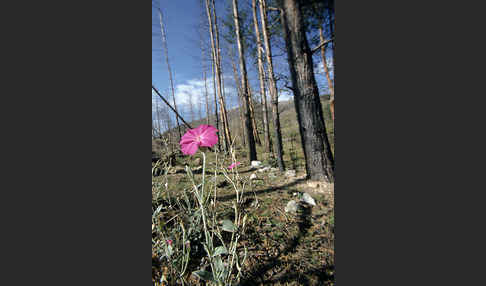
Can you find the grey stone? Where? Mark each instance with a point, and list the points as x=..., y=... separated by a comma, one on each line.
x=308, y=199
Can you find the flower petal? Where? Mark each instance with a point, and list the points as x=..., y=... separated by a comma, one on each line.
x=209, y=137
x=233, y=165
x=199, y=130
x=190, y=148
x=188, y=137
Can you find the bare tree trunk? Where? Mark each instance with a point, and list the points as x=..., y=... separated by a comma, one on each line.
x=242, y=118
x=326, y=71
x=261, y=76
x=253, y=118
x=252, y=155
x=154, y=133
x=240, y=97
x=204, y=66
x=191, y=106
x=330, y=9
x=272, y=87
x=217, y=65
x=157, y=119
x=199, y=110
x=206, y=97
x=168, y=125
x=216, y=104
x=319, y=162
x=164, y=42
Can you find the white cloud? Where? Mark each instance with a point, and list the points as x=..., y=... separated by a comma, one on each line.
x=285, y=95
x=195, y=87
x=194, y=90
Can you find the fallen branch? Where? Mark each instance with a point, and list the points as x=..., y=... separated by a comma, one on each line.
x=170, y=106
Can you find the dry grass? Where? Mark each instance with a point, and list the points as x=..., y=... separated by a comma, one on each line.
x=283, y=249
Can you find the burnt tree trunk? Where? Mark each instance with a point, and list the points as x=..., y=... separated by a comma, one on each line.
x=164, y=42
x=272, y=87
x=253, y=118
x=223, y=111
x=250, y=140
x=319, y=162
x=261, y=76
x=217, y=72
x=240, y=99
x=203, y=65
x=206, y=97
x=326, y=71
x=216, y=118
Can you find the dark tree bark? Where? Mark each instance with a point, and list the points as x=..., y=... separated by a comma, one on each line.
x=319, y=162
x=250, y=140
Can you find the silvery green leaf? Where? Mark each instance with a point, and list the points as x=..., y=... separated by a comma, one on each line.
x=228, y=226
x=206, y=248
x=220, y=250
x=170, y=251
x=158, y=210
x=218, y=264
x=189, y=171
x=204, y=275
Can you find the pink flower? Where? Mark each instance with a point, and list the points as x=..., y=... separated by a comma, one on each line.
x=169, y=241
x=233, y=165
x=202, y=136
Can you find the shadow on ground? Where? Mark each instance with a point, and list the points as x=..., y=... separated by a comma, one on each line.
x=256, y=275
x=263, y=191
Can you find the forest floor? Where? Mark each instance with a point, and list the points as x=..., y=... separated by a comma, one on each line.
x=283, y=248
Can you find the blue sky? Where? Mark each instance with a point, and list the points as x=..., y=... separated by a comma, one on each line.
x=181, y=23
x=181, y=26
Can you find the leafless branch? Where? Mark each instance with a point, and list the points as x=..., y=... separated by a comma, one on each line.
x=320, y=45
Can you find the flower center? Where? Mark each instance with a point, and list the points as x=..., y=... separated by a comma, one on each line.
x=198, y=138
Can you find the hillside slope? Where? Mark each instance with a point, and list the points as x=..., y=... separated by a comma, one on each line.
x=293, y=155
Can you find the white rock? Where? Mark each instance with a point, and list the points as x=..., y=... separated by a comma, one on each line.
x=256, y=164
x=253, y=176
x=264, y=169
x=291, y=207
x=308, y=199
x=290, y=173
